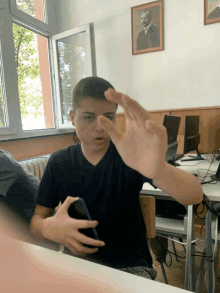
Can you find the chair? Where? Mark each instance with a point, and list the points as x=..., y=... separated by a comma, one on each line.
x=158, y=245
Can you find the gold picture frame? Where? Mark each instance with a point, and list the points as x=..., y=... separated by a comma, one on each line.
x=211, y=11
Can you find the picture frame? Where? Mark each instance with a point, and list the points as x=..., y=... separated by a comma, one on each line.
x=147, y=28
x=211, y=11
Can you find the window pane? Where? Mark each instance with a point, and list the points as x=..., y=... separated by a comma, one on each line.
x=2, y=95
x=31, y=56
x=71, y=53
x=35, y=8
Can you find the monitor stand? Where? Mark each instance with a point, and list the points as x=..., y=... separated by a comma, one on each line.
x=194, y=158
x=173, y=163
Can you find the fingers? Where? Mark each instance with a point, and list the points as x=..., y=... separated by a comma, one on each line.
x=117, y=97
x=114, y=96
x=136, y=109
x=110, y=128
x=155, y=128
x=133, y=109
x=64, y=207
x=84, y=224
x=78, y=249
x=89, y=241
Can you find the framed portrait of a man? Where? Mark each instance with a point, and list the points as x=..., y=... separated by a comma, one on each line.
x=147, y=27
x=211, y=11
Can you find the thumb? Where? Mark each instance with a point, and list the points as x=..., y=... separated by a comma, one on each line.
x=110, y=128
x=65, y=206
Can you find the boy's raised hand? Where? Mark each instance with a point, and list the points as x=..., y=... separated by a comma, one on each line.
x=144, y=145
x=65, y=230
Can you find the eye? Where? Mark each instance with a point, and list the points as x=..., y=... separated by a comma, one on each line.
x=89, y=118
x=110, y=118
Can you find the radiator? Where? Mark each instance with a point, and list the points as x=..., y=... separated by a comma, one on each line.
x=35, y=165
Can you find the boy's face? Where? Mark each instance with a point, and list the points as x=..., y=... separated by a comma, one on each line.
x=85, y=121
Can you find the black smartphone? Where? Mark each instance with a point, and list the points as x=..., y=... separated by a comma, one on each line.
x=78, y=210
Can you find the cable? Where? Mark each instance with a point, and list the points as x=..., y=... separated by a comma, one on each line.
x=209, y=205
x=165, y=254
x=197, y=253
x=203, y=178
x=195, y=207
x=171, y=260
x=179, y=241
x=177, y=254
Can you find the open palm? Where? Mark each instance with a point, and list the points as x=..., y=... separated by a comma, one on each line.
x=144, y=145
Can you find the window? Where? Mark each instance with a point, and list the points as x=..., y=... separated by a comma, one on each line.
x=42, y=69
x=35, y=8
x=32, y=65
x=73, y=53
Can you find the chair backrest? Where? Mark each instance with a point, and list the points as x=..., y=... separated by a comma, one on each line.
x=148, y=209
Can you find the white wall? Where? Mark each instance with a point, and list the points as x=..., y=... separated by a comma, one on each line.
x=186, y=74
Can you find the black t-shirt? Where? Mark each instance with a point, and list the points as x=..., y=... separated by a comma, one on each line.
x=111, y=192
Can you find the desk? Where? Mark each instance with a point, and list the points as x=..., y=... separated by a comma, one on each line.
x=35, y=269
x=213, y=192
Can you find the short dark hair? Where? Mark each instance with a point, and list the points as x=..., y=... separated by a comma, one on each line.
x=93, y=87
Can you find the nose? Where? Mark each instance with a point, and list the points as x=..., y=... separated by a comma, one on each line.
x=97, y=127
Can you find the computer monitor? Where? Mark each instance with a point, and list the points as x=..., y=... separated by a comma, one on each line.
x=217, y=175
x=192, y=138
x=172, y=124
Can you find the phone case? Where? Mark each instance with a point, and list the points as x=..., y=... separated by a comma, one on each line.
x=78, y=210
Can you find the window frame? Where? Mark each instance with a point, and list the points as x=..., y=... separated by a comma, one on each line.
x=11, y=93
x=91, y=61
x=47, y=30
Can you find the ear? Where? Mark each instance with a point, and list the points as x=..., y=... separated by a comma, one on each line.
x=72, y=116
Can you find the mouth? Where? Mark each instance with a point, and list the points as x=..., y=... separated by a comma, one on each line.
x=99, y=138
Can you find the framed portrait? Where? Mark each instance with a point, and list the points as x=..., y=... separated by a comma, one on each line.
x=211, y=11
x=147, y=28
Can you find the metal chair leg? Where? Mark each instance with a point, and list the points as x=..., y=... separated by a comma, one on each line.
x=216, y=257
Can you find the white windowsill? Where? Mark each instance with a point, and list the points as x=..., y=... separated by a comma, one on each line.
x=36, y=133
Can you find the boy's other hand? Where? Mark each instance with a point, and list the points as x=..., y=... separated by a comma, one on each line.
x=144, y=145
x=65, y=230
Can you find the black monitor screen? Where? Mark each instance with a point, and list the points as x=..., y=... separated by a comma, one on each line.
x=172, y=124
x=192, y=137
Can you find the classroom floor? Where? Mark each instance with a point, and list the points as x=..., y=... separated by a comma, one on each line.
x=176, y=273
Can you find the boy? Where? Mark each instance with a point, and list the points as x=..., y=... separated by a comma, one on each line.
x=107, y=169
